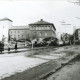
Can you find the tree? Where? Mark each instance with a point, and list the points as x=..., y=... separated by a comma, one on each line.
x=65, y=38
x=76, y=2
x=71, y=39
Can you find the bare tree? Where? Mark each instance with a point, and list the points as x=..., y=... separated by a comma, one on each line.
x=76, y=2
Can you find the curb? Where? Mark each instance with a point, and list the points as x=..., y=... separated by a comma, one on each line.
x=25, y=50
x=58, y=68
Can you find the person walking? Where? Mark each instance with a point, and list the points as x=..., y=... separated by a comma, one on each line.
x=16, y=47
x=8, y=48
x=1, y=46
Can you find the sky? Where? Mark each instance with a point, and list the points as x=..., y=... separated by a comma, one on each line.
x=53, y=11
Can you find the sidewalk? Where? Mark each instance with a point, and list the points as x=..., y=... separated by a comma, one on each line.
x=18, y=50
x=23, y=49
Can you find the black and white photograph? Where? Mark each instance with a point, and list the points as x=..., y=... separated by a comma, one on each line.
x=39, y=39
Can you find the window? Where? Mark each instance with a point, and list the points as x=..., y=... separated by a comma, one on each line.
x=42, y=27
x=45, y=33
x=48, y=27
x=45, y=27
x=14, y=31
x=11, y=31
x=39, y=27
x=22, y=36
x=40, y=34
x=32, y=27
x=79, y=31
x=36, y=27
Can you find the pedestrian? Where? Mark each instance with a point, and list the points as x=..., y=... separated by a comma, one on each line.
x=15, y=47
x=1, y=46
x=8, y=48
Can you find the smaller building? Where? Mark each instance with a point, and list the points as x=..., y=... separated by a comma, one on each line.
x=77, y=35
x=5, y=24
x=19, y=32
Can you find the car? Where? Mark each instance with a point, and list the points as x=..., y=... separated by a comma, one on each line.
x=60, y=43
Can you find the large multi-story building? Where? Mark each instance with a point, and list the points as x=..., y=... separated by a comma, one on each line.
x=5, y=24
x=19, y=32
x=42, y=29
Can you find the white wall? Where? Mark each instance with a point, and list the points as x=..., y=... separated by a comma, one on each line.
x=4, y=27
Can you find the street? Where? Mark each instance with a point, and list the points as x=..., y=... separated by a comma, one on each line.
x=69, y=72
x=40, y=40
x=35, y=64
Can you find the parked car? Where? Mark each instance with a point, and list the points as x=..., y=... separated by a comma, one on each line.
x=60, y=42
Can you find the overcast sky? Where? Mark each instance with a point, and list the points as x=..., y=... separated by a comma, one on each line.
x=54, y=11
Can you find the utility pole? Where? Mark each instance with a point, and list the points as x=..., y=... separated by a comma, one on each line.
x=74, y=34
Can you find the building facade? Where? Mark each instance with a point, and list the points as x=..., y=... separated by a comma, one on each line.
x=77, y=35
x=42, y=29
x=19, y=32
x=5, y=24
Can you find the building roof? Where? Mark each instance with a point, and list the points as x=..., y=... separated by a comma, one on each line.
x=42, y=22
x=5, y=18
x=19, y=27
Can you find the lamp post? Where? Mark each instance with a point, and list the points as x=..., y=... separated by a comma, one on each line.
x=74, y=34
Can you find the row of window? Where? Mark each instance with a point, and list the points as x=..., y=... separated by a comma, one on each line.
x=41, y=34
x=40, y=27
x=17, y=31
x=18, y=35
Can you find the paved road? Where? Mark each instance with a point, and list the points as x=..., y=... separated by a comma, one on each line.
x=36, y=72
x=69, y=72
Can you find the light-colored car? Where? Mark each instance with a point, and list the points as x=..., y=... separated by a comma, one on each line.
x=60, y=42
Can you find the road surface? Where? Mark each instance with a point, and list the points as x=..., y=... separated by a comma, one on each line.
x=69, y=72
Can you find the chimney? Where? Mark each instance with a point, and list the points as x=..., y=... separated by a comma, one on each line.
x=41, y=19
